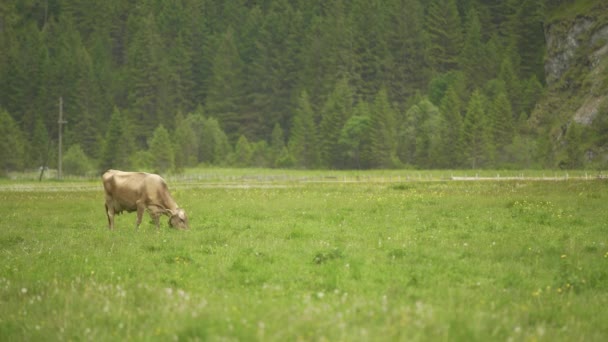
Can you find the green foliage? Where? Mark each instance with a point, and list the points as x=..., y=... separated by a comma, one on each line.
x=336, y=112
x=186, y=142
x=354, y=138
x=451, y=131
x=477, y=144
x=214, y=145
x=40, y=146
x=303, y=141
x=254, y=66
x=76, y=162
x=383, y=132
x=162, y=150
x=445, y=34
x=12, y=146
x=243, y=152
x=225, y=89
x=119, y=143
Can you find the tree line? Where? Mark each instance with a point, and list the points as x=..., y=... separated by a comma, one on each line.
x=166, y=85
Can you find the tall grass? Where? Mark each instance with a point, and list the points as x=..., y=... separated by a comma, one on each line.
x=440, y=260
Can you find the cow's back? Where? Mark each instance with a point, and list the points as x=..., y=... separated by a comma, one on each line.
x=124, y=189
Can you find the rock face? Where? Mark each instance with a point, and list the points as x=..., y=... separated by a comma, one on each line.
x=576, y=72
x=562, y=46
x=580, y=43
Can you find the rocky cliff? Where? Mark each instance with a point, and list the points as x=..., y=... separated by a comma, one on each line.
x=576, y=69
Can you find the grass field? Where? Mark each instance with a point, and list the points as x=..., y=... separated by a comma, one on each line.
x=282, y=261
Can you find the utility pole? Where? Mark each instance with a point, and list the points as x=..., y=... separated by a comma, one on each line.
x=61, y=122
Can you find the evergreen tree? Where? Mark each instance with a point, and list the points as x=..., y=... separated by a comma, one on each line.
x=75, y=161
x=39, y=148
x=12, y=144
x=407, y=65
x=383, y=132
x=503, y=128
x=119, y=143
x=508, y=75
x=186, y=143
x=214, y=145
x=527, y=25
x=369, y=20
x=477, y=145
x=532, y=91
x=445, y=35
x=355, y=136
x=335, y=113
x=303, y=142
x=162, y=150
x=574, y=150
x=451, y=135
x=243, y=152
x=277, y=144
x=145, y=78
x=473, y=55
x=329, y=57
x=224, y=94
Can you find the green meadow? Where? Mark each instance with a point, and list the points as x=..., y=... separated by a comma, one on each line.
x=383, y=258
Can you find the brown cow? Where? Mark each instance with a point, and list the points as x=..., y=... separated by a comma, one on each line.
x=138, y=191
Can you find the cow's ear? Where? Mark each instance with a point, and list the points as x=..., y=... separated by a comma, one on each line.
x=181, y=214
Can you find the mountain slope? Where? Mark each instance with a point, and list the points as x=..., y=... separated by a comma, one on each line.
x=573, y=115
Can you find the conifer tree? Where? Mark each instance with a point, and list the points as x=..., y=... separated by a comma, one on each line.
x=186, y=143
x=408, y=69
x=303, y=141
x=477, y=147
x=508, y=75
x=383, y=132
x=225, y=91
x=162, y=150
x=214, y=145
x=39, y=148
x=451, y=130
x=445, y=35
x=503, y=123
x=145, y=78
x=335, y=113
x=473, y=55
x=277, y=144
x=355, y=138
x=75, y=161
x=12, y=144
x=574, y=150
x=243, y=152
x=119, y=143
x=527, y=25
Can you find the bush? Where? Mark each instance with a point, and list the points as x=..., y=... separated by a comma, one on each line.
x=76, y=162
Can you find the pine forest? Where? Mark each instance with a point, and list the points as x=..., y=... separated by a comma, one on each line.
x=311, y=84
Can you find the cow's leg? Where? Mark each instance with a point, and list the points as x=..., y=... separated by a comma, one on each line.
x=140, y=214
x=156, y=219
x=110, y=214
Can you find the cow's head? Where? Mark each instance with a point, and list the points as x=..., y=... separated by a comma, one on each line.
x=179, y=219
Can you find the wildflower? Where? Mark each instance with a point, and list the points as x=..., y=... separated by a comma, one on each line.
x=563, y=256
x=24, y=290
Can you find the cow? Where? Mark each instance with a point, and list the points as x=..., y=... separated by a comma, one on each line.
x=138, y=191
